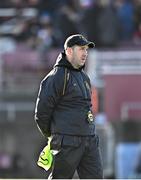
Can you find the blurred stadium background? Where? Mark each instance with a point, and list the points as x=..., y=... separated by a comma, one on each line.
x=32, y=33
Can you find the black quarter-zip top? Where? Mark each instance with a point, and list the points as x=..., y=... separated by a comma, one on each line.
x=65, y=113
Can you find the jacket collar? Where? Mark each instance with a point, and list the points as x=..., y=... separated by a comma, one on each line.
x=62, y=61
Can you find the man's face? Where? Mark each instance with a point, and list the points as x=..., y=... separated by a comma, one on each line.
x=79, y=55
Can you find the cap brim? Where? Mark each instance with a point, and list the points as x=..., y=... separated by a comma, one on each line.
x=91, y=45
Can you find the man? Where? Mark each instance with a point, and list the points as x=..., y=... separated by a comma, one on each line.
x=63, y=111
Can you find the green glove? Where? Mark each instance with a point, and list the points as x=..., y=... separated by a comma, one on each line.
x=46, y=157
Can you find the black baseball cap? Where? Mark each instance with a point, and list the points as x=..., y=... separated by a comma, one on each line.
x=77, y=39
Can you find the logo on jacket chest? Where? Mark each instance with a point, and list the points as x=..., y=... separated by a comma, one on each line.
x=74, y=84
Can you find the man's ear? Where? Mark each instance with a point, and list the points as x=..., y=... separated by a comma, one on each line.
x=69, y=50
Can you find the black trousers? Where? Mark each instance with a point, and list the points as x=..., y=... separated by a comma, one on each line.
x=79, y=153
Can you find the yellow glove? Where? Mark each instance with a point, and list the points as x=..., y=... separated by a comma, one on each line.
x=46, y=157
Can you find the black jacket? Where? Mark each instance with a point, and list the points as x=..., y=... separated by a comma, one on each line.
x=64, y=100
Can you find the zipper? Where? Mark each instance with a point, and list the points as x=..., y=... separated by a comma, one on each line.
x=65, y=81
